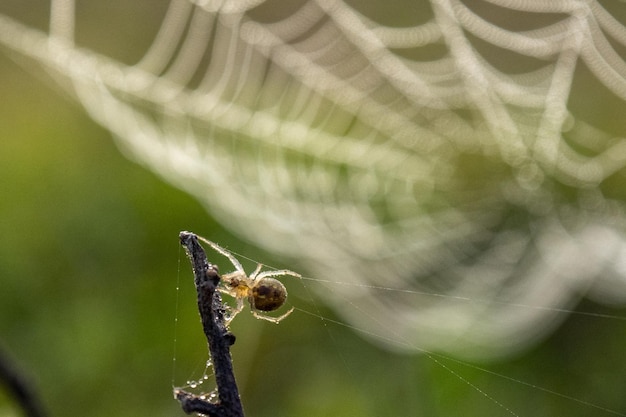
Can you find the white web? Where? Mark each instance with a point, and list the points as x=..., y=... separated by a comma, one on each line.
x=439, y=147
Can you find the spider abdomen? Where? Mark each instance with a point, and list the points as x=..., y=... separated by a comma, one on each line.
x=268, y=294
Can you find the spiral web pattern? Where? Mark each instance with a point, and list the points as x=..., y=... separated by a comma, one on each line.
x=442, y=147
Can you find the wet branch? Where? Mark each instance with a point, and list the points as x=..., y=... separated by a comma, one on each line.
x=207, y=278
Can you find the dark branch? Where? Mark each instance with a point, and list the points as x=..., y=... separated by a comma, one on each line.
x=19, y=388
x=207, y=278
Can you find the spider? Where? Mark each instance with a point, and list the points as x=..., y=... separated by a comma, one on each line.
x=263, y=293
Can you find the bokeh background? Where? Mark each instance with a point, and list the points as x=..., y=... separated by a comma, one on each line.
x=90, y=264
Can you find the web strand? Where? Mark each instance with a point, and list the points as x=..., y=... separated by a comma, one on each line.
x=437, y=358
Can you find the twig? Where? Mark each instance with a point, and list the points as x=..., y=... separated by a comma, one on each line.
x=207, y=278
x=18, y=386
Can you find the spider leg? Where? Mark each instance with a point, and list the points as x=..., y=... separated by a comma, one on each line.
x=253, y=275
x=234, y=311
x=278, y=273
x=224, y=252
x=274, y=320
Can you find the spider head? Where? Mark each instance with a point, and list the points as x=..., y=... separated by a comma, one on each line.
x=268, y=294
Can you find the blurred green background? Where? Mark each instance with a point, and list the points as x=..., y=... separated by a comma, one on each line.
x=89, y=269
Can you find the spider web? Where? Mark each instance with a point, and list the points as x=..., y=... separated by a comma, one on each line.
x=470, y=150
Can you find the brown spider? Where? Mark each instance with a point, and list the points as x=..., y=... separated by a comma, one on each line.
x=263, y=293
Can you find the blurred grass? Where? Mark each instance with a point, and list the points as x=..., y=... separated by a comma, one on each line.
x=90, y=261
